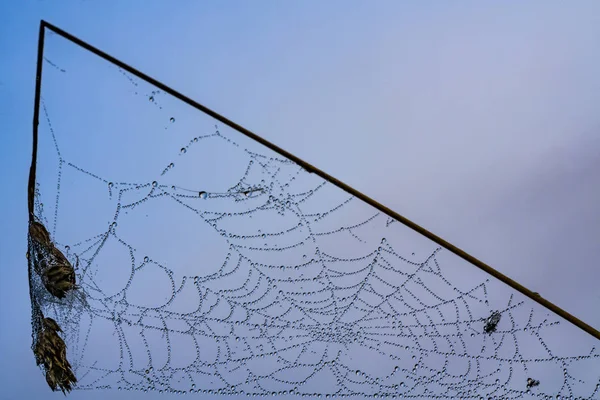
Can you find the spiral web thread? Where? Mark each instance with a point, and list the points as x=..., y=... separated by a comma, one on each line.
x=226, y=269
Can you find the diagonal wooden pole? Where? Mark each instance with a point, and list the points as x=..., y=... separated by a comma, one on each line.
x=479, y=264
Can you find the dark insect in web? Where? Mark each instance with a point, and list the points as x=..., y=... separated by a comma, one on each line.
x=532, y=382
x=492, y=322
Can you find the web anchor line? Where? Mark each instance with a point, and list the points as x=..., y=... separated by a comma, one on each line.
x=305, y=165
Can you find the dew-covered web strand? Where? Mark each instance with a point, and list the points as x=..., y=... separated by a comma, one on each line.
x=367, y=338
x=299, y=317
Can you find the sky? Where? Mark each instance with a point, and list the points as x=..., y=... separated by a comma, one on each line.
x=478, y=122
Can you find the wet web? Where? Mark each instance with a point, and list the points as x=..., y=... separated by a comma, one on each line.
x=206, y=263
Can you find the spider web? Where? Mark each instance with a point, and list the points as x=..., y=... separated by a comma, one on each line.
x=206, y=263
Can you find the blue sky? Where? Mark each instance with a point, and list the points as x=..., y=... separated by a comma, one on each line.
x=478, y=122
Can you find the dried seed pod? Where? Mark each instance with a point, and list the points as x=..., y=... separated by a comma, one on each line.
x=51, y=352
x=39, y=234
x=41, y=242
x=59, y=279
x=57, y=273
